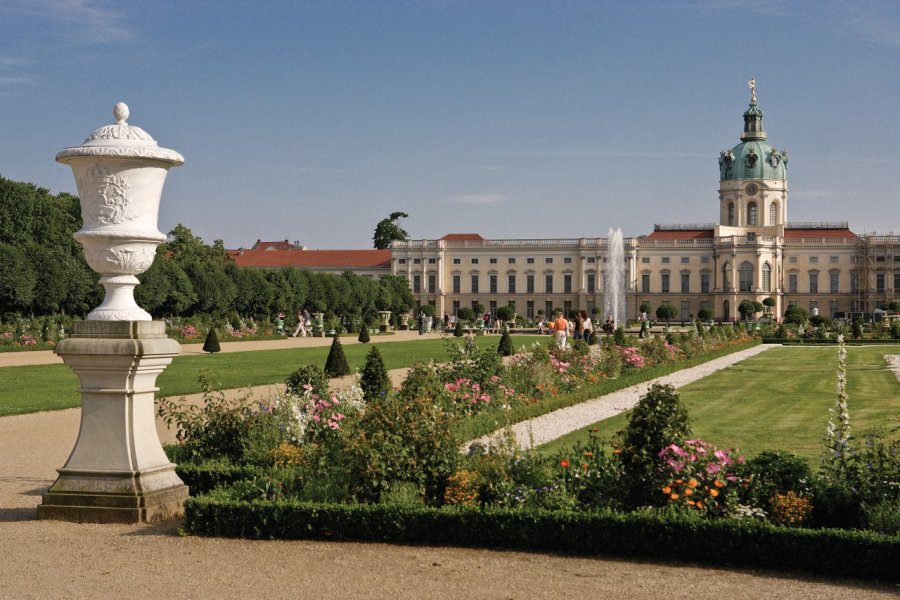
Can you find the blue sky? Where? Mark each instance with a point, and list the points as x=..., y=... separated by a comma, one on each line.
x=312, y=121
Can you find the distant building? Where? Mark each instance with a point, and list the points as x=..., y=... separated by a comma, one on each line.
x=752, y=253
x=270, y=255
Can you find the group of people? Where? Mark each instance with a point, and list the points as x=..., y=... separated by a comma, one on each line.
x=580, y=327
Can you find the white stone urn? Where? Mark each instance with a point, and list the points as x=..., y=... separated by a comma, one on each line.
x=119, y=171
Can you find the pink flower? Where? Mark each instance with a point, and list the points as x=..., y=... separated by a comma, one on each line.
x=713, y=468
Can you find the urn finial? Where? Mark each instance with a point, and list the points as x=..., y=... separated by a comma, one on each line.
x=120, y=113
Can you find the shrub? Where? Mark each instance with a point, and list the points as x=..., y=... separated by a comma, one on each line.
x=619, y=336
x=336, y=363
x=795, y=315
x=895, y=329
x=458, y=329
x=374, y=378
x=773, y=472
x=211, y=344
x=659, y=419
x=363, y=335
x=883, y=517
x=307, y=378
x=505, y=347
x=789, y=509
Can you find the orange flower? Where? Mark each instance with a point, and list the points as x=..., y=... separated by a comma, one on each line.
x=617, y=451
x=719, y=483
x=588, y=454
x=585, y=466
x=679, y=481
x=699, y=504
x=564, y=463
x=688, y=492
x=667, y=490
x=713, y=493
x=674, y=497
x=691, y=503
x=692, y=483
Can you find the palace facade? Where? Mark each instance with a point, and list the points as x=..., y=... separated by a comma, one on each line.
x=752, y=252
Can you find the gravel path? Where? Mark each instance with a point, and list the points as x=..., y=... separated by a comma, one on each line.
x=547, y=428
x=54, y=559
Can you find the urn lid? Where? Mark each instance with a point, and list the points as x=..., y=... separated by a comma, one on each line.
x=121, y=140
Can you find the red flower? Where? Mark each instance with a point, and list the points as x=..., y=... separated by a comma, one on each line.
x=564, y=463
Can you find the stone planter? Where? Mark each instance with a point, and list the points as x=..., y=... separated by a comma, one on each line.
x=318, y=324
x=385, y=316
x=404, y=322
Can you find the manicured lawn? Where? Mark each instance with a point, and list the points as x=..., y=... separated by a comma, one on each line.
x=780, y=399
x=51, y=387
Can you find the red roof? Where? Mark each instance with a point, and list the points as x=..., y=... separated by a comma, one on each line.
x=818, y=233
x=680, y=234
x=261, y=245
x=313, y=259
x=462, y=237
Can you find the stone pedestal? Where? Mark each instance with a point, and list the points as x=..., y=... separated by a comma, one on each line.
x=117, y=472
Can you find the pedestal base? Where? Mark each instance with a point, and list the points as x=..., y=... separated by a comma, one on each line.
x=117, y=472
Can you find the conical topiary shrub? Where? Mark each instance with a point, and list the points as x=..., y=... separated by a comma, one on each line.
x=505, y=348
x=363, y=334
x=458, y=330
x=336, y=363
x=374, y=379
x=212, y=342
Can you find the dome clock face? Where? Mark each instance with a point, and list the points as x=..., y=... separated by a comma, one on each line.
x=751, y=189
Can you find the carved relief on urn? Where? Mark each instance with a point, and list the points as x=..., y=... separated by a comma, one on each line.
x=120, y=172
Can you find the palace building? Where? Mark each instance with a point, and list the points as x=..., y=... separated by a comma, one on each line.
x=752, y=252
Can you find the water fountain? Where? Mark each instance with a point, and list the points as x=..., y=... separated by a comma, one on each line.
x=614, y=292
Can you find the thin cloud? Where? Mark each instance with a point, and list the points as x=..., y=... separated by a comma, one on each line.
x=479, y=199
x=14, y=80
x=88, y=19
x=9, y=61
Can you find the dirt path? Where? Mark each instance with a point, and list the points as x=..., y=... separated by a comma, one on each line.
x=53, y=559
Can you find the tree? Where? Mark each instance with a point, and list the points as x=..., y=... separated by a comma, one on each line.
x=795, y=315
x=211, y=344
x=665, y=312
x=506, y=313
x=505, y=348
x=646, y=307
x=768, y=302
x=374, y=379
x=336, y=363
x=705, y=314
x=458, y=329
x=748, y=308
x=388, y=230
x=364, y=334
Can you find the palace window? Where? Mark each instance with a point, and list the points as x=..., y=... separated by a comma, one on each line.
x=511, y=283
x=567, y=260
x=417, y=284
x=591, y=283
x=511, y=260
x=813, y=282
x=665, y=283
x=492, y=261
x=567, y=283
x=767, y=277
x=773, y=213
x=731, y=214
x=813, y=260
x=432, y=283
x=474, y=261
x=665, y=260
x=745, y=277
x=401, y=261
x=529, y=260
x=792, y=283
x=417, y=261
x=548, y=283
x=456, y=261
x=548, y=260
x=456, y=284
x=685, y=260
x=685, y=283
x=879, y=283
x=474, y=288
x=751, y=214
x=833, y=278
x=704, y=283
x=645, y=283
x=529, y=284
x=492, y=283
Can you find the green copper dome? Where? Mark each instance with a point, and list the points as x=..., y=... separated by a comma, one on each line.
x=753, y=158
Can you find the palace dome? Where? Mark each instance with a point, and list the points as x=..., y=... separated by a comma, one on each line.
x=754, y=157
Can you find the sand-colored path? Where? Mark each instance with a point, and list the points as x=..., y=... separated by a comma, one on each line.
x=51, y=559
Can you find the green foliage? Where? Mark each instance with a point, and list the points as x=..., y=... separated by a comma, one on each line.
x=216, y=428
x=388, y=230
x=646, y=307
x=883, y=518
x=666, y=312
x=465, y=314
x=506, y=313
x=211, y=344
x=857, y=329
x=458, y=329
x=647, y=534
x=619, y=336
x=895, y=329
x=428, y=310
x=336, y=363
x=400, y=440
x=363, y=335
x=659, y=419
x=795, y=315
x=505, y=347
x=773, y=472
x=374, y=379
x=307, y=375
x=705, y=314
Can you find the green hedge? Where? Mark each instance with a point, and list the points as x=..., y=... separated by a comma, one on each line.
x=829, y=342
x=832, y=552
x=206, y=476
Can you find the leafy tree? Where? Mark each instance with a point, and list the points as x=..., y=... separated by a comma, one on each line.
x=705, y=314
x=646, y=307
x=506, y=313
x=665, y=312
x=374, y=379
x=336, y=363
x=769, y=302
x=465, y=314
x=747, y=308
x=389, y=230
x=795, y=315
x=17, y=279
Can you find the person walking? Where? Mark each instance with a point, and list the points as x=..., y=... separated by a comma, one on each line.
x=588, y=326
x=561, y=326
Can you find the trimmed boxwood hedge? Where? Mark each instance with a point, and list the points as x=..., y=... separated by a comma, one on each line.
x=744, y=543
